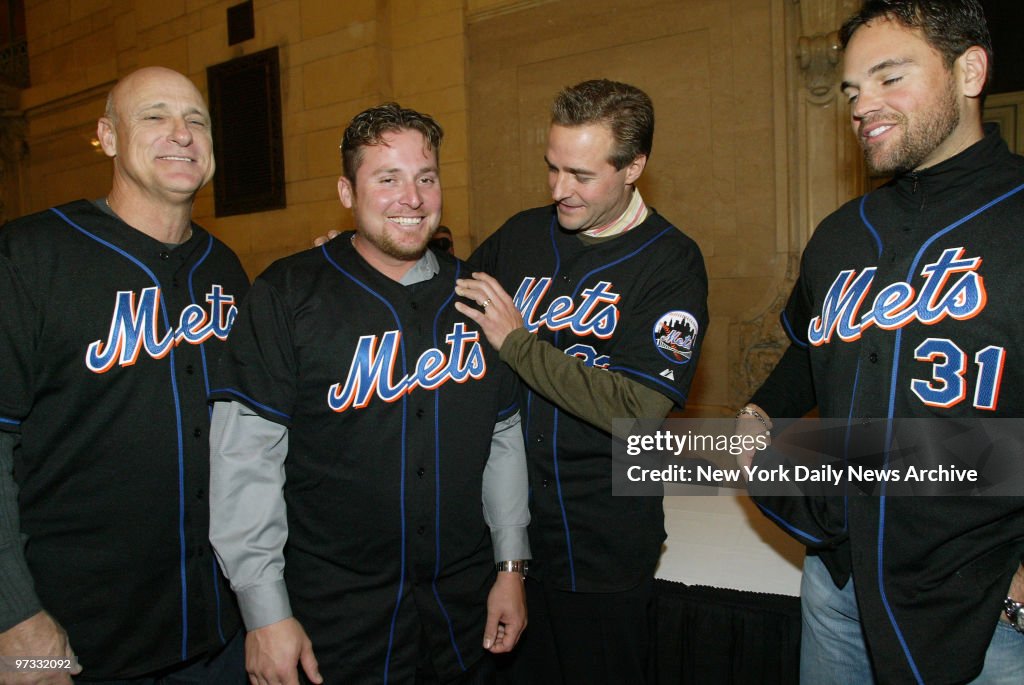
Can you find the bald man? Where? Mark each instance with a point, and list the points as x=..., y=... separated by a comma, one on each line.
x=114, y=310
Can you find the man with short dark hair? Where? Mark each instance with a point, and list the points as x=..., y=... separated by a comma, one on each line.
x=910, y=589
x=606, y=321
x=113, y=311
x=350, y=371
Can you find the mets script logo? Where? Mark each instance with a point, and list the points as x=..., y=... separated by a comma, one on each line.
x=596, y=314
x=372, y=369
x=674, y=336
x=135, y=326
x=952, y=287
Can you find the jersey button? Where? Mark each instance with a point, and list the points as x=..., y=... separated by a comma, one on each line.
x=873, y=357
x=190, y=369
x=420, y=471
x=200, y=494
x=197, y=432
x=165, y=256
x=544, y=483
x=539, y=438
x=419, y=413
x=421, y=530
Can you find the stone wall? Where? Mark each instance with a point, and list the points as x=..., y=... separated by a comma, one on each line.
x=751, y=149
x=337, y=58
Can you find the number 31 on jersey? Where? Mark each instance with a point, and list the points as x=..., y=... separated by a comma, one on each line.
x=948, y=384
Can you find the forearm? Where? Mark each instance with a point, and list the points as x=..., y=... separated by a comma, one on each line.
x=18, y=600
x=248, y=521
x=506, y=492
x=595, y=395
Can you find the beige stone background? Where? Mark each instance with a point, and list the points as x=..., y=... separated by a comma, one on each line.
x=751, y=148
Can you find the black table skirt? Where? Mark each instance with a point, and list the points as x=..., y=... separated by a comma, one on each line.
x=709, y=635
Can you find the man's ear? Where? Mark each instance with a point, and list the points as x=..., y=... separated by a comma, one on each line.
x=346, y=192
x=973, y=67
x=107, y=136
x=635, y=168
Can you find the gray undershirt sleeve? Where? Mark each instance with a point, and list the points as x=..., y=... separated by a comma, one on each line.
x=595, y=395
x=18, y=599
x=248, y=519
x=506, y=492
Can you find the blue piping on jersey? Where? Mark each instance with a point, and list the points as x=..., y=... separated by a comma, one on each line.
x=554, y=438
x=209, y=411
x=552, y=227
x=202, y=345
x=250, y=401
x=216, y=595
x=437, y=485
x=846, y=447
x=796, y=532
x=9, y=422
x=669, y=389
x=891, y=413
x=437, y=524
x=871, y=229
x=620, y=259
x=788, y=327
x=508, y=411
x=405, y=418
x=177, y=417
x=561, y=504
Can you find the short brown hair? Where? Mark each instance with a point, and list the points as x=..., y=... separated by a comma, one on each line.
x=949, y=26
x=623, y=108
x=368, y=128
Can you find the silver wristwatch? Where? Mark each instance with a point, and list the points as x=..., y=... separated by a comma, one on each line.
x=1014, y=611
x=518, y=566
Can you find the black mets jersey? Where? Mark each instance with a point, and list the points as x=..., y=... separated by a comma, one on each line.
x=108, y=337
x=634, y=305
x=908, y=305
x=391, y=399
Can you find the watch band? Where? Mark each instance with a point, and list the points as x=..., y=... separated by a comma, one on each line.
x=516, y=566
x=1014, y=611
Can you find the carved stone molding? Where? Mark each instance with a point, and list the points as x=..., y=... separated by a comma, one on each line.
x=818, y=57
x=820, y=169
x=761, y=340
x=818, y=45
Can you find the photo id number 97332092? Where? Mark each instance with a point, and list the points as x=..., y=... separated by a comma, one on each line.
x=37, y=663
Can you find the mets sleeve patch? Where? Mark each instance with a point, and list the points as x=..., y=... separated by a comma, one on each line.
x=675, y=335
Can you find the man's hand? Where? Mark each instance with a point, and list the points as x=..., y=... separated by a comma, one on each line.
x=273, y=652
x=38, y=635
x=506, y=613
x=499, y=316
x=754, y=421
x=320, y=240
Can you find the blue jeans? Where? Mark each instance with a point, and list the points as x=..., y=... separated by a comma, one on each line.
x=832, y=647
